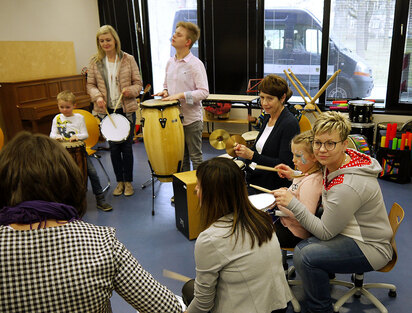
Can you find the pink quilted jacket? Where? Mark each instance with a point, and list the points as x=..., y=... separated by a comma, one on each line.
x=128, y=76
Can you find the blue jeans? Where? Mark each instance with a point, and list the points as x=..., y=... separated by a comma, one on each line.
x=121, y=153
x=314, y=259
x=94, y=178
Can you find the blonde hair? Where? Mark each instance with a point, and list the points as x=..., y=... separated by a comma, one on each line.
x=193, y=31
x=106, y=29
x=66, y=95
x=275, y=85
x=329, y=122
x=305, y=139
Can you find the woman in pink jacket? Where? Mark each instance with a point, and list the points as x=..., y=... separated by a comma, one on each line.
x=112, y=73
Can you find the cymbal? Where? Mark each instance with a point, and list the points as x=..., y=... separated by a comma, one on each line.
x=232, y=142
x=217, y=139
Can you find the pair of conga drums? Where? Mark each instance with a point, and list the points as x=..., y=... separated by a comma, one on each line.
x=163, y=137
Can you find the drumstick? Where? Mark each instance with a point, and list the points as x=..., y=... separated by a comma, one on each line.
x=266, y=168
x=296, y=87
x=117, y=104
x=176, y=276
x=300, y=84
x=260, y=188
x=330, y=80
x=295, y=174
x=110, y=118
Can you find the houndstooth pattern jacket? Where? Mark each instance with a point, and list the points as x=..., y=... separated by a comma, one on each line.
x=74, y=268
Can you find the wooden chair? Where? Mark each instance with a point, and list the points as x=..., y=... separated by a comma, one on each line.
x=92, y=126
x=304, y=124
x=357, y=287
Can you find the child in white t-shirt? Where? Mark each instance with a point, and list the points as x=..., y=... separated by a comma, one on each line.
x=69, y=126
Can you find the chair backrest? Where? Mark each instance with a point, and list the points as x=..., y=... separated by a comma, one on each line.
x=92, y=128
x=1, y=139
x=396, y=216
x=304, y=124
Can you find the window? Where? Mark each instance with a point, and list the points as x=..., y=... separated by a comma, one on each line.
x=405, y=90
x=360, y=46
x=294, y=31
x=163, y=17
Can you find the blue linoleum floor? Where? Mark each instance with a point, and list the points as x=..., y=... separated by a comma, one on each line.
x=157, y=244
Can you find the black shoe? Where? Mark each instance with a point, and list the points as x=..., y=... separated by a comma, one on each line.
x=101, y=204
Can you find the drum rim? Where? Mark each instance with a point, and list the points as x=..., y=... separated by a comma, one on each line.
x=77, y=143
x=362, y=125
x=159, y=101
x=361, y=103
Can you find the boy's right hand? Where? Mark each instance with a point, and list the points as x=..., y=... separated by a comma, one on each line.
x=101, y=103
x=284, y=171
x=162, y=94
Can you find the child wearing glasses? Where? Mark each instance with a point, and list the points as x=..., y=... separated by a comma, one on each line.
x=353, y=235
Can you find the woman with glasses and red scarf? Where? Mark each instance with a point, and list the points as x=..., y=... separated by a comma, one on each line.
x=353, y=235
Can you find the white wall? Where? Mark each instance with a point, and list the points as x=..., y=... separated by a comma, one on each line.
x=52, y=20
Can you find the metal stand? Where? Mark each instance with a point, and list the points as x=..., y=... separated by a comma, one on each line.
x=97, y=157
x=154, y=177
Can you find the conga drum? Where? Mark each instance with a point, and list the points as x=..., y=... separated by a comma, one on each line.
x=77, y=150
x=163, y=137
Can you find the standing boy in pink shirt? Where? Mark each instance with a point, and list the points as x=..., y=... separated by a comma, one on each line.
x=186, y=81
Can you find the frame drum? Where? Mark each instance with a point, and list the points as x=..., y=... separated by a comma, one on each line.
x=360, y=111
x=266, y=203
x=77, y=150
x=118, y=133
x=163, y=137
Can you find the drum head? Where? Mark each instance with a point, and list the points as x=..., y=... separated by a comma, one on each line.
x=263, y=201
x=361, y=103
x=158, y=103
x=72, y=145
x=117, y=132
x=251, y=135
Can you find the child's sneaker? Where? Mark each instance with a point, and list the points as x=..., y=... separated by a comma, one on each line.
x=102, y=204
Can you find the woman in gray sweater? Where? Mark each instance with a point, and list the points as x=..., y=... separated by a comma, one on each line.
x=353, y=235
x=238, y=259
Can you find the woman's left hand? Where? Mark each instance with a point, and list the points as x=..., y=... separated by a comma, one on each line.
x=243, y=152
x=282, y=196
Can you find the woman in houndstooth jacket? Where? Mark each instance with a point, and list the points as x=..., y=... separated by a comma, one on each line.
x=51, y=260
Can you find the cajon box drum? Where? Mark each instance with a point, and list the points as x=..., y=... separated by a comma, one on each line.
x=186, y=204
x=163, y=137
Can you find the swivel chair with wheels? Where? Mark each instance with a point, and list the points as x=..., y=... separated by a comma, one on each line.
x=357, y=287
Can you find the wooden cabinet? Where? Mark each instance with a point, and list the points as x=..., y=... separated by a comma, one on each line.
x=31, y=105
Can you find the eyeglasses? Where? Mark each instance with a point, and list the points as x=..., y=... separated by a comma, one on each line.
x=329, y=145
